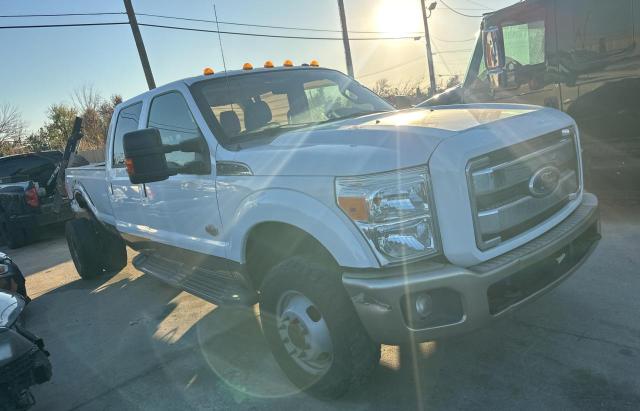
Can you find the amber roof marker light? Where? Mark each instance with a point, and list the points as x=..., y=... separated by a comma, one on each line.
x=207, y=71
x=268, y=64
x=288, y=63
x=247, y=66
x=314, y=63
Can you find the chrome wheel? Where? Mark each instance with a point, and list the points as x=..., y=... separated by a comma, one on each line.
x=304, y=333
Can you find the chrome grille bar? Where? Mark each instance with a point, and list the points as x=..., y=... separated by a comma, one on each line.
x=502, y=202
x=499, y=177
x=510, y=215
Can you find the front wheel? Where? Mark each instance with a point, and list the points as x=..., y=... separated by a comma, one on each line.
x=14, y=235
x=94, y=249
x=313, y=330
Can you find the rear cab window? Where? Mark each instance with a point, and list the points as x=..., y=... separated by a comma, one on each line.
x=127, y=121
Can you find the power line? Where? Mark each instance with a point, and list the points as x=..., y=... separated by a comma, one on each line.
x=397, y=66
x=444, y=62
x=454, y=51
x=453, y=41
x=39, y=26
x=238, y=33
x=235, y=33
x=458, y=12
x=229, y=23
x=62, y=14
x=266, y=26
x=477, y=4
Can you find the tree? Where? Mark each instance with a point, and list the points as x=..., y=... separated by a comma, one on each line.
x=87, y=103
x=12, y=128
x=96, y=115
x=55, y=132
x=453, y=81
x=400, y=94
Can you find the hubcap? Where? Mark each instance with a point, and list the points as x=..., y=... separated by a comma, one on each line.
x=304, y=333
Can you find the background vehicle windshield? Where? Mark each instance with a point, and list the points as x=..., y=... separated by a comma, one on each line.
x=30, y=167
x=249, y=105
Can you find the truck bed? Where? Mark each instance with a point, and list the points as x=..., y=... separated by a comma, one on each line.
x=90, y=181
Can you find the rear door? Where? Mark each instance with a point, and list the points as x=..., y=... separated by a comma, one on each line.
x=182, y=211
x=126, y=198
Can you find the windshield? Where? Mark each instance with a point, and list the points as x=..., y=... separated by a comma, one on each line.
x=265, y=103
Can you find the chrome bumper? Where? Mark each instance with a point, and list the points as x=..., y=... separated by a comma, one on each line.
x=463, y=299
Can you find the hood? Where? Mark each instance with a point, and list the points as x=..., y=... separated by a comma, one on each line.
x=368, y=144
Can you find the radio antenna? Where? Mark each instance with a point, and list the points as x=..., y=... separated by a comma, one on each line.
x=215, y=14
x=224, y=63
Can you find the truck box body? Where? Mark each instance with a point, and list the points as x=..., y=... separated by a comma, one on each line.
x=578, y=56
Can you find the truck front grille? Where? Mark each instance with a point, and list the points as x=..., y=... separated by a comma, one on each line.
x=514, y=189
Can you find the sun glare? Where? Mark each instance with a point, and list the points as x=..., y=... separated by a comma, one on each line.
x=398, y=17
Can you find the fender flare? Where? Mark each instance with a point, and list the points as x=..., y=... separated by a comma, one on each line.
x=329, y=227
x=78, y=189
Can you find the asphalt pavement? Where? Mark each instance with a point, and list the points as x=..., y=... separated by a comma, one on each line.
x=128, y=341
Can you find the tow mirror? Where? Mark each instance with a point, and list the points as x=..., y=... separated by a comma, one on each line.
x=145, y=156
x=494, y=57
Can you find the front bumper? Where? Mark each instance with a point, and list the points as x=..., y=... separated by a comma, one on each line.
x=462, y=299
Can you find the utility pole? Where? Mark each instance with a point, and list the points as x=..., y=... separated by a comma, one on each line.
x=142, y=52
x=425, y=17
x=345, y=39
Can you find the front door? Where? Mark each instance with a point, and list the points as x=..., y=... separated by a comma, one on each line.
x=182, y=211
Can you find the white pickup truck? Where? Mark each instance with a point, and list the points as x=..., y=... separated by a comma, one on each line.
x=350, y=223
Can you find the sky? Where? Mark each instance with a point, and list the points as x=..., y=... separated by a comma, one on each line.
x=39, y=67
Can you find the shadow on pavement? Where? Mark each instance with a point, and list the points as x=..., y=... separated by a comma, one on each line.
x=47, y=251
x=129, y=341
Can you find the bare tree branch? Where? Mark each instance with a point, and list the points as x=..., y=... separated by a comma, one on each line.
x=12, y=126
x=85, y=98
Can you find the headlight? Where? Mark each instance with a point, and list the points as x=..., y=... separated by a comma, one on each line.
x=4, y=271
x=11, y=306
x=393, y=210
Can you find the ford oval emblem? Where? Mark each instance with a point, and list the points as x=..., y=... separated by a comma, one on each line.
x=544, y=181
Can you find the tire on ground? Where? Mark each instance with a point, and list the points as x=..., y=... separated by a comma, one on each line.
x=94, y=249
x=355, y=355
x=84, y=246
x=14, y=235
x=115, y=252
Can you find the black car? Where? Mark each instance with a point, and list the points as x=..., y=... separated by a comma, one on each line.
x=11, y=278
x=27, y=192
x=23, y=360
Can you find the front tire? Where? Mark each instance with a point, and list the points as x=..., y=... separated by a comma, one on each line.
x=14, y=235
x=313, y=330
x=82, y=238
x=94, y=249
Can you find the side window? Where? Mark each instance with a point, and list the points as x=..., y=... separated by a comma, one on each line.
x=593, y=32
x=323, y=96
x=127, y=121
x=170, y=114
x=525, y=43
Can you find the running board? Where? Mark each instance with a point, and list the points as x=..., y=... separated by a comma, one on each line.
x=218, y=286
